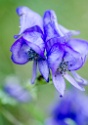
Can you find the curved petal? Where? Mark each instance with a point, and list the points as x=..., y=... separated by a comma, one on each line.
x=80, y=46
x=56, y=40
x=19, y=49
x=59, y=83
x=43, y=68
x=51, y=25
x=79, y=79
x=53, y=29
x=34, y=71
x=55, y=57
x=64, y=30
x=49, y=16
x=28, y=18
x=73, y=58
x=34, y=28
x=73, y=82
x=35, y=41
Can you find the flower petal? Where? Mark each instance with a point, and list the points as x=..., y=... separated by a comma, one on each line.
x=28, y=18
x=53, y=29
x=34, y=71
x=49, y=16
x=43, y=68
x=79, y=79
x=64, y=30
x=51, y=25
x=19, y=49
x=55, y=57
x=73, y=82
x=35, y=41
x=59, y=83
x=56, y=40
x=80, y=46
x=73, y=58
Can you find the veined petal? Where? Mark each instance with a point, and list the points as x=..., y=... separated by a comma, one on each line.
x=43, y=68
x=59, y=83
x=55, y=57
x=53, y=29
x=73, y=82
x=79, y=79
x=28, y=18
x=36, y=39
x=80, y=46
x=51, y=25
x=34, y=28
x=19, y=49
x=49, y=16
x=73, y=58
x=34, y=71
x=56, y=40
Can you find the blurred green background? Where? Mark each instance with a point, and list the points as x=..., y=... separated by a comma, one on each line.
x=72, y=14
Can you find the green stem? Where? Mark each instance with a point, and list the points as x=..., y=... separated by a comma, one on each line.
x=11, y=118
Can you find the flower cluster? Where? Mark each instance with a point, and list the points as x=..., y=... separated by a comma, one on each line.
x=39, y=36
x=69, y=110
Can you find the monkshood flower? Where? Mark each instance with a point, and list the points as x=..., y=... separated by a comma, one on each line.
x=64, y=53
x=69, y=110
x=13, y=88
x=29, y=44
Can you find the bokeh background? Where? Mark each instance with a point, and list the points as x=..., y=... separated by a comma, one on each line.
x=72, y=14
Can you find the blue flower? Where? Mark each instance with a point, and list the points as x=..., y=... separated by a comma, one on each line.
x=70, y=110
x=13, y=88
x=64, y=53
x=29, y=44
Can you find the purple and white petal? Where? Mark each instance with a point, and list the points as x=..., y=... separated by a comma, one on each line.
x=64, y=30
x=59, y=83
x=34, y=72
x=51, y=25
x=56, y=40
x=73, y=58
x=55, y=57
x=53, y=29
x=79, y=79
x=80, y=46
x=28, y=18
x=73, y=82
x=43, y=68
x=49, y=16
x=19, y=51
x=35, y=41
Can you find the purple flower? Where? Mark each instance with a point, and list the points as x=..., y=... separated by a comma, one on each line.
x=70, y=110
x=15, y=90
x=29, y=44
x=64, y=53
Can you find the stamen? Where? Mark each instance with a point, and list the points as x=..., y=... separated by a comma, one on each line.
x=32, y=55
x=63, y=67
